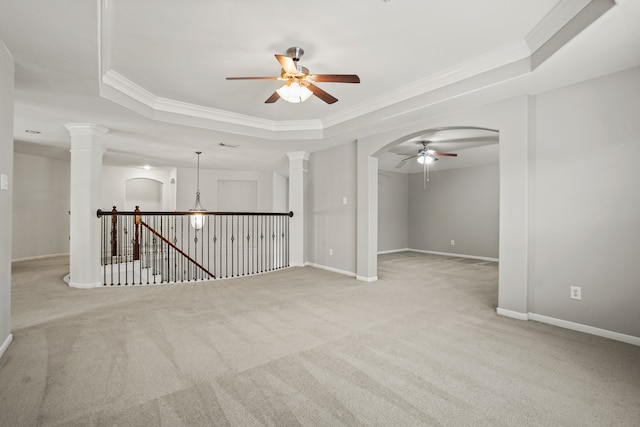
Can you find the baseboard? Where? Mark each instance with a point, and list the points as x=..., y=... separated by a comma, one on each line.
x=367, y=279
x=334, y=270
x=481, y=258
x=5, y=345
x=629, y=339
x=512, y=314
x=85, y=285
x=393, y=251
x=29, y=258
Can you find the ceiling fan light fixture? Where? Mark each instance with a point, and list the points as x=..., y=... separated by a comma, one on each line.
x=425, y=158
x=293, y=92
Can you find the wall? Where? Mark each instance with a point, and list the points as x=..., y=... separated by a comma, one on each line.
x=332, y=178
x=586, y=203
x=393, y=211
x=113, y=185
x=40, y=206
x=457, y=204
x=6, y=168
x=186, y=187
x=280, y=193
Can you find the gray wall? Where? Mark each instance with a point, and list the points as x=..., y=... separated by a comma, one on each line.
x=332, y=177
x=186, y=187
x=114, y=179
x=457, y=204
x=40, y=206
x=6, y=168
x=586, y=203
x=393, y=211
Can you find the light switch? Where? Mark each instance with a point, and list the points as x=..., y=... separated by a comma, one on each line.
x=344, y=200
x=4, y=182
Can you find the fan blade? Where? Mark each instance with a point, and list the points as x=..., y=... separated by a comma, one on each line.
x=445, y=154
x=329, y=99
x=253, y=78
x=288, y=65
x=335, y=78
x=404, y=162
x=273, y=98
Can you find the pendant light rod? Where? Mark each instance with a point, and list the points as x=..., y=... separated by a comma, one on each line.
x=198, y=176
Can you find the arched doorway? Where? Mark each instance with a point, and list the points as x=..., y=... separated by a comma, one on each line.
x=438, y=192
x=143, y=192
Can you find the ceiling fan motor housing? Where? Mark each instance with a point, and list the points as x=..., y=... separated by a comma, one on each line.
x=295, y=53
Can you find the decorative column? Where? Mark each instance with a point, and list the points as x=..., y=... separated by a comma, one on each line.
x=298, y=202
x=86, y=171
x=367, y=215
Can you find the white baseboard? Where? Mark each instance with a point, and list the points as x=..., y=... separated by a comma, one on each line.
x=39, y=257
x=85, y=285
x=5, y=345
x=393, y=251
x=481, y=258
x=334, y=270
x=629, y=339
x=367, y=279
x=512, y=314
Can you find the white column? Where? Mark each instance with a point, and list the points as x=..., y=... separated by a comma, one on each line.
x=367, y=215
x=86, y=171
x=298, y=202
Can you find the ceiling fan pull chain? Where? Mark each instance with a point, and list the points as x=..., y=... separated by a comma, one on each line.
x=425, y=169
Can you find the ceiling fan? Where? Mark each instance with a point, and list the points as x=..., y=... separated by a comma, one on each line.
x=425, y=155
x=299, y=84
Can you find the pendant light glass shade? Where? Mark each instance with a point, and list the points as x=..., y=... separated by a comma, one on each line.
x=197, y=218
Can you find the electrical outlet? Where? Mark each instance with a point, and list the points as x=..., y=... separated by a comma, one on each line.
x=453, y=242
x=331, y=252
x=576, y=292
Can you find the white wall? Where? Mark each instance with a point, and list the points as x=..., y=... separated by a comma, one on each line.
x=186, y=187
x=332, y=178
x=585, y=220
x=6, y=168
x=115, y=177
x=393, y=211
x=457, y=204
x=40, y=206
x=280, y=193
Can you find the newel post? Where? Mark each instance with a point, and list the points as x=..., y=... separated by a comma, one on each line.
x=114, y=232
x=136, y=241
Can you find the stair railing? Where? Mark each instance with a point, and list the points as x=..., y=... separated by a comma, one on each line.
x=162, y=247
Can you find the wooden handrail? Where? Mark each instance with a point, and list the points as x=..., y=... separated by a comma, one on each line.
x=100, y=213
x=177, y=249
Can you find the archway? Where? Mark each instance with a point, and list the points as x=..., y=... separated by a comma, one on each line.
x=439, y=193
x=512, y=119
x=143, y=192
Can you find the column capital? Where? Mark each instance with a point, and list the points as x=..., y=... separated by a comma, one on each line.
x=85, y=129
x=298, y=155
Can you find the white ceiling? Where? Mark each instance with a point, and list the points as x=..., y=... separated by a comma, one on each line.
x=153, y=71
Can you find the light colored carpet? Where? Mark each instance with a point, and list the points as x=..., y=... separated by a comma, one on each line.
x=422, y=346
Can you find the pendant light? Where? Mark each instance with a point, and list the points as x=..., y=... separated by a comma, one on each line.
x=197, y=217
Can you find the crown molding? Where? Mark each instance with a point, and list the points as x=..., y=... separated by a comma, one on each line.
x=450, y=76
x=567, y=19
